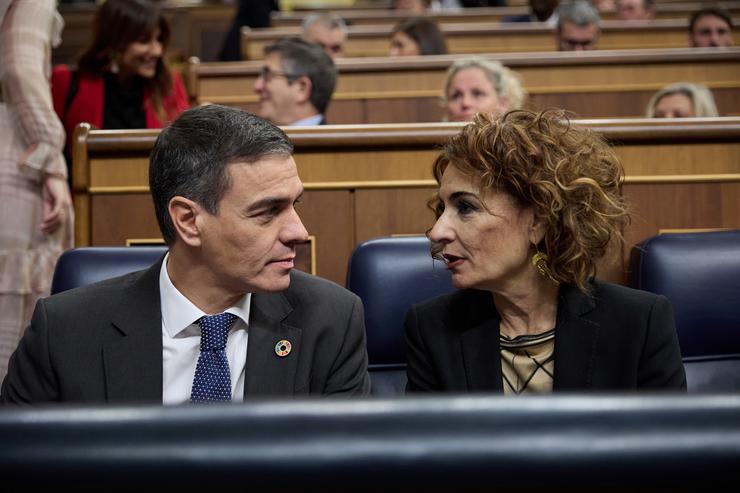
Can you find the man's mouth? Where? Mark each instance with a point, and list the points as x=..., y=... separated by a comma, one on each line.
x=453, y=261
x=286, y=262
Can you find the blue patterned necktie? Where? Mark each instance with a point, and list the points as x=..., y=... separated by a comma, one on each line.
x=212, y=380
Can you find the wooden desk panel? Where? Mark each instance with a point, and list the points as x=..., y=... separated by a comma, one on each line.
x=470, y=38
x=356, y=17
x=597, y=84
x=366, y=181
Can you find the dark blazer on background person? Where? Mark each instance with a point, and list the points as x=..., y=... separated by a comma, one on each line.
x=617, y=339
x=102, y=343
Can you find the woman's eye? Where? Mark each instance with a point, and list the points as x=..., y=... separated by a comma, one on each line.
x=464, y=207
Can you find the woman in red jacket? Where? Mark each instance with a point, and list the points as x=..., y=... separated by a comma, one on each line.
x=122, y=80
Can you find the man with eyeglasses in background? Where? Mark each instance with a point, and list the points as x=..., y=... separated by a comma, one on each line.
x=326, y=30
x=296, y=83
x=578, y=26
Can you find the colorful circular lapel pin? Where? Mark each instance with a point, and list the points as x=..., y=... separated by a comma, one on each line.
x=282, y=348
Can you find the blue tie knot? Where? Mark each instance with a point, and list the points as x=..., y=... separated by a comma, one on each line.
x=215, y=331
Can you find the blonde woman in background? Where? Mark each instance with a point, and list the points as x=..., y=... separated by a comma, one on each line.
x=474, y=85
x=682, y=100
x=35, y=204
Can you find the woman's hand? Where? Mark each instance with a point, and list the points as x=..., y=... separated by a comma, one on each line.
x=57, y=201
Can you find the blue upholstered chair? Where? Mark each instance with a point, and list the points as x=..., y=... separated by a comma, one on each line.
x=81, y=266
x=390, y=274
x=700, y=274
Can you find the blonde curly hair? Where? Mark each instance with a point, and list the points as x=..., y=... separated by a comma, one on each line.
x=569, y=176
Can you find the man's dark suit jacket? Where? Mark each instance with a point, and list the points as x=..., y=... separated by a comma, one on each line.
x=615, y=339
x=103, y=343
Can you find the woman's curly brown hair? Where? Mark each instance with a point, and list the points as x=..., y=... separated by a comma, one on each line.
x=569, y=175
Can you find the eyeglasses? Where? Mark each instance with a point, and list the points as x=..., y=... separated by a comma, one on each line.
x=268, y=75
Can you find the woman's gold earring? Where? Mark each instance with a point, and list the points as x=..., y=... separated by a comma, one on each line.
x=539, y=260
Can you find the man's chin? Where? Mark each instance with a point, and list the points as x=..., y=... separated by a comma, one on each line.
x=274, y=284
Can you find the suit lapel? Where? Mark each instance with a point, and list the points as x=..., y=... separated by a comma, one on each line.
x=133, y=355
x=479, y=341
x=481, y=356
x=267, y=373
x=575, y=341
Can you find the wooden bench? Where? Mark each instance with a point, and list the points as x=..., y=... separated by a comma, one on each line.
x=357, y=17
x=591, y=84
x=367, y=181
x=468, y=38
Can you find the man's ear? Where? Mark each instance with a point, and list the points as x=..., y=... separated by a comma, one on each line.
x=303, y=83
x=184, y=215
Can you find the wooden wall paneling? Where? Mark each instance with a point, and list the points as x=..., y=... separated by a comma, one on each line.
x=680, y=158
x=346, y=111
x=692, y=205
x=120, y=217
x=329, y=216
x=404, y=110
x=392, y=211
x=374, y=180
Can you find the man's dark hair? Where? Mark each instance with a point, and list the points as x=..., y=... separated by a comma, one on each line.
x=299, y=58
x=190, y=157
x=714, y=11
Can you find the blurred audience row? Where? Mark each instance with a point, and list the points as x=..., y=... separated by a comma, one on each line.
x=122, y=80
x=578, y=28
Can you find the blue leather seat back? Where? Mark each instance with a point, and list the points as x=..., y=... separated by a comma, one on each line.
x=700, y=274
x=82, y=266
x=390, y=274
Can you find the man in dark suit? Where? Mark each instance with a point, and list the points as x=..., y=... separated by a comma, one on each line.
x=222, y=316
x=296, y=83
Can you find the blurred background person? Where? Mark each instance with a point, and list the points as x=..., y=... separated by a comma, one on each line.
x=527, y=204
x=635, y=10
x=710, y=27
x=417, y=36
x=36, y=211
x=475, y=85
x=122, y=80
x=539, y=11
x=412, y=6
x=682, y=100
x=296, y=83
x=578, y=26
x=604, y=5
x=327, y=30
x=252, y=13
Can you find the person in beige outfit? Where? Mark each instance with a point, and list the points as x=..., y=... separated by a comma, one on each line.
x=35, y=205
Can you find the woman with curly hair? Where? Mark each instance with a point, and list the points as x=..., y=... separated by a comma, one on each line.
x=526, y=206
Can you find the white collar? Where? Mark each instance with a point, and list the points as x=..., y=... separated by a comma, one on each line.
x=178, y=312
